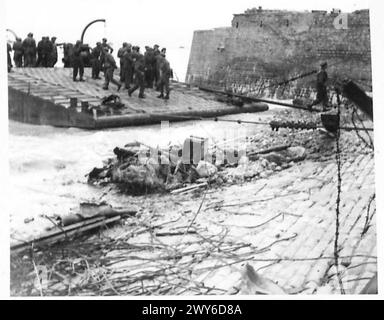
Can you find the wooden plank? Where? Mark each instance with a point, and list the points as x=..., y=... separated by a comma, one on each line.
x=65, y=232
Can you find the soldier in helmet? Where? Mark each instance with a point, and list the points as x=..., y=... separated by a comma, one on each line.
x=95, y=60
x=139, y=72
x=165, y=73
x=9, y=49
x=127, y=66
x=18, y=52
x=52, y=58
x=109, y=67
x=40, y=46
x=120, y=55
x=29, y=48
x=78, y=61
x=106, y=48
x=321, y=86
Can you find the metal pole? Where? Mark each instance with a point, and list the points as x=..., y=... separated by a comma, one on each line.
x=13, y=32
x=88, y=25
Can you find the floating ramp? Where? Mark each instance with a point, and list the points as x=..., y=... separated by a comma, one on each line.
x=43, y=96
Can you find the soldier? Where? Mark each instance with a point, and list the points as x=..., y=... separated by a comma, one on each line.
x=139, y=70
x=29, y=47
x=106, y=48
x=156, y=77
x=18, y=52
x=68, y=55
x=47, y=51
x=165, y=73
x=159, y=59
x=120, y=55
x=9, y=49
x=53, y=54
x=95, y=60
x=78, y=61
x=149, y=60
x=321, y=86
x=127, y=66
x=109, y=67
x=40, y=46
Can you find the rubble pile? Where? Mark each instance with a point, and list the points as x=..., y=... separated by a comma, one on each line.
x=134, y=172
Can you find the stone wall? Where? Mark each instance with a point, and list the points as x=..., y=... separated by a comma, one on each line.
x=264, y=47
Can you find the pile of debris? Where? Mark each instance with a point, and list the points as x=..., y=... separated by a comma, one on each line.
x=140, y=169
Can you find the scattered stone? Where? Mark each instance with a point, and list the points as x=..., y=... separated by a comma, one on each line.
x=206, y=169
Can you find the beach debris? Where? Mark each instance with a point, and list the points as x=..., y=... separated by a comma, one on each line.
x=205, y=169
x=189, y=188
x=64, y=233
x=252, y=283
x=89, y=210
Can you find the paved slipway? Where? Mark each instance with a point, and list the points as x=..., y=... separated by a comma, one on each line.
x=282, y=224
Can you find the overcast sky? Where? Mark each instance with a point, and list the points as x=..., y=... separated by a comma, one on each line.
x=167, y=22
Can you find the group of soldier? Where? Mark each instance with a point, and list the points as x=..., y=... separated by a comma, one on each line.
x=27, y=54
x=137, y=70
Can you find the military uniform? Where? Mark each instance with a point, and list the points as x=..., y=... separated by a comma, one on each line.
x=128, y=68
x=77, y=61
x=165, y=73
x=149, y=60
x=9, y=49
x=120, y=55
x=40, y=46
x=95, y=61
x=109, y=67
x=52, y=59
x=155, y=67
x=321, y=87
x=29, y=47
x=139, y=71
x=105, y=48
x=18, y=52
x=47, y=51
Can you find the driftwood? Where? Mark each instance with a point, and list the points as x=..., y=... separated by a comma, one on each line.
x=65, y=232
x=189, y=188
x=272, y=149
x=92, y=210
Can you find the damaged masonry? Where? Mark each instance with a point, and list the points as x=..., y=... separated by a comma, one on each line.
x=284, y=206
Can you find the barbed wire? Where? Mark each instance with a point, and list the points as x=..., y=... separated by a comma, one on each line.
x=339, y=182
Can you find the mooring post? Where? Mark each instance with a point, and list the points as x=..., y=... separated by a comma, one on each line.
x=73, y=102
x=84, y=106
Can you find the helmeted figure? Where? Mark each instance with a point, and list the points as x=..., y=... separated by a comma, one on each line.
x=120, y=55
x=68, y=55
x=18, y=52
x=128, y=66
x=29, y=47
x=165, y=73
x=321, y=86
x=78, y=61
x=106, y=48
x=139, y=71
x=150, y=62
x=109, y=68
x=95, y=61
x=155, y=69
x=40, y=46
x=52, y=59
x=9, y=60
x=47, y=51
